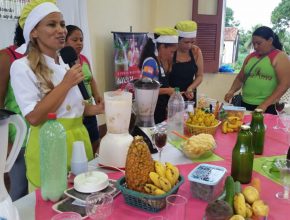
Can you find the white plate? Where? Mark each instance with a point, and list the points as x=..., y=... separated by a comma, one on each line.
x=91, y=181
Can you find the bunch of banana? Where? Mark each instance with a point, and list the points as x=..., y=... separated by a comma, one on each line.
x=201, y=118
x=231, y=124
x=163, y=179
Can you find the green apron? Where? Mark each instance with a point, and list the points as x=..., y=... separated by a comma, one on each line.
x=75, y=131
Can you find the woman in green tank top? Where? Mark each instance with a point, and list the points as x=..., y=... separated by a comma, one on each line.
x=264, y=76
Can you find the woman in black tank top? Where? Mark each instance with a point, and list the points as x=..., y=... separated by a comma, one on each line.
x=187, y=68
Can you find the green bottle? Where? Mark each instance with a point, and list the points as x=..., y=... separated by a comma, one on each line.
x=243, y=156
x=258, y=131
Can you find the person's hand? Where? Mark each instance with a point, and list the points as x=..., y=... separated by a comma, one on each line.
x=229, y=96
x=100, y=108
x=263, y=107
x=189, y=94
x=73, y=76
x=99, y=99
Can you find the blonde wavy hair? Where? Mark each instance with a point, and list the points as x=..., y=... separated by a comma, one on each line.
x=39, y=67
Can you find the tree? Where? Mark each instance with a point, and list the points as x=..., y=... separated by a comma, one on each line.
x=281, y=17
x=229, y=17
x=230, y=21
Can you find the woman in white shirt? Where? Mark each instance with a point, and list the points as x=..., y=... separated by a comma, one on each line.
x=42, y=83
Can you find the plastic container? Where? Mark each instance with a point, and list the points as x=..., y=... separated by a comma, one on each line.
x=175, y=114
x=53, y=159
x=207, y=181
x=235, y=111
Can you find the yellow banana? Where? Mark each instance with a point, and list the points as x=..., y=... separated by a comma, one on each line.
x=233, y=119
x=224, y=127
x=165, y=184
x=172, y=174
x=155, y=179
x=168, y=164
x=240, y=204
x=234, y=126
x=159, y=168
x=154, y=190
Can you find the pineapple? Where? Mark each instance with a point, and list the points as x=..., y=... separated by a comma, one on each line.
x=139, y=164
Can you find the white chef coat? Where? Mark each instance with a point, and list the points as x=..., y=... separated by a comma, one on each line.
x=27, y=91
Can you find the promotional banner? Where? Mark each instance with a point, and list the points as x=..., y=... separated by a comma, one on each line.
x=11, y=9
x=127, y=50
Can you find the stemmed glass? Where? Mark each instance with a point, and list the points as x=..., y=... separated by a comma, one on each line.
x=284, y=167
x=160, y=138
x=279, y=106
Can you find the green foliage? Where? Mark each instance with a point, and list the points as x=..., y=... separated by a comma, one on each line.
x=281, y=22
x=229, y=17
x=281, y=16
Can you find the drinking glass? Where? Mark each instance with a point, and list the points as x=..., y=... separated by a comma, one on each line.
x=67, y=216
x=160, y=138
x=279, y=106
x=284, y=167
x=176, y=207
x=99, y=206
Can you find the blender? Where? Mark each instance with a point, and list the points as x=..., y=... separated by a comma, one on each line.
x=114, y=145
x=146, y=93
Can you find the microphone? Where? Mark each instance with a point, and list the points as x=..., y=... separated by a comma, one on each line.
x=69, y=56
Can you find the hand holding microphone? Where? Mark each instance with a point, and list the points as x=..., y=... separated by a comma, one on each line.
x=69, y=56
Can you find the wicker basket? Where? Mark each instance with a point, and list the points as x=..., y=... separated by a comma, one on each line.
x=147, y=202
x=195, y=129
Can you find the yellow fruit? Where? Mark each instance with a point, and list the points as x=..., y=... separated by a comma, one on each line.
x=160, y=168
x=260, y=208
x=251, y=194
x=240, y=204
x=154, y=190
x=139, y=164
x=172, y=174
x=249, y=211
x=155, y=179
x=165, y=184
x=237, y=217
x=224, y=127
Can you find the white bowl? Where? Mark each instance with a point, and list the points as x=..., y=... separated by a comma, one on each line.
x=92, y=181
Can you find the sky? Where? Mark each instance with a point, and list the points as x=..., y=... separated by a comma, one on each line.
x=252, y=12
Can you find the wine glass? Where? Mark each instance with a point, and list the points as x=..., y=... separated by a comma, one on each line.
x=279, y=106
x=160, y=138
x=284, y=167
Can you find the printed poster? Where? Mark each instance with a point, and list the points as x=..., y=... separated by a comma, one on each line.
x=127, y=50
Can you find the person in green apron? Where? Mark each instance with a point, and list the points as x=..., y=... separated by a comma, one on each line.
x=43, y=83
x=75, y=38
x=187, y=67
x=155, y=63
x=264, y=76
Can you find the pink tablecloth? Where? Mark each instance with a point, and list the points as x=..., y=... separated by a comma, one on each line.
x=195, y=208
x=275, y=141
x=275, y=144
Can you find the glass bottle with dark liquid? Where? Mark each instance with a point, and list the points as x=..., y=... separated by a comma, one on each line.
x=258, y=131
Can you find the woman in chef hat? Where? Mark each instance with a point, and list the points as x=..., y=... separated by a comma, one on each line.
x=42, y=83
x=156, y=63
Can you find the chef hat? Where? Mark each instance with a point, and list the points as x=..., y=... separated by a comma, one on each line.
x=186, y=29
x=166, y=35
x=32, y=13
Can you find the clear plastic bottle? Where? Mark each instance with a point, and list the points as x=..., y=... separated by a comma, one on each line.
x=53, y=159
x=175, y=116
